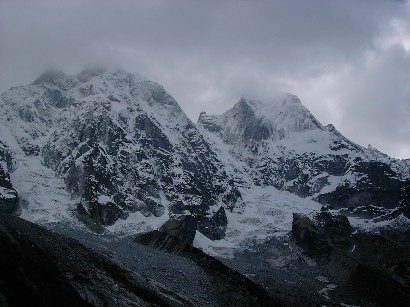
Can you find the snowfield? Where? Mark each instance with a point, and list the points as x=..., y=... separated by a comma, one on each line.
x=267, y=212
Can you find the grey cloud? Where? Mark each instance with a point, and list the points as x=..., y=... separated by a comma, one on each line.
x=210, y=53
x=378, y=100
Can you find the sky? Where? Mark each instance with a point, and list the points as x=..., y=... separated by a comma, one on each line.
x=347, y=60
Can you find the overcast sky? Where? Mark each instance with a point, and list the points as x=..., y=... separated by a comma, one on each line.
x=348, y=61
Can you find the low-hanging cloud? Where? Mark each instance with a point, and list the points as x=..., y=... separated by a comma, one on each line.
x=347, y=60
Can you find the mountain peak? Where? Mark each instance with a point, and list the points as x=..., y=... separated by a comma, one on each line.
x=283, y=110
x=90, y=72
x=283, y=99
x=50, y=76
x=278, y=100
x=57, y=78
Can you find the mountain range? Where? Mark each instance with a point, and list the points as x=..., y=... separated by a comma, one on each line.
x=115, y=151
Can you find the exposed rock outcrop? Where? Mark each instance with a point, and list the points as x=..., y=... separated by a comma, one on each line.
x=214, y=227
x=337, y=227
x=383, y=266
x=182, y=227
x=374, y=268
x=324, y=234
x=310, y=236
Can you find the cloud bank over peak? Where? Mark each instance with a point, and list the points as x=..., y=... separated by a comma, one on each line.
x=346, y=60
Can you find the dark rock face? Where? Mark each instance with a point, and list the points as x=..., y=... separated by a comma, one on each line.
x=323, y=235
x=337, y=227
x=376, y=271
x=97, y=182
x=310, y=236
x=208, y=122
x=182, y=227
x=40, y=268
x=214, y=227
x=231, y=288
x=405, y=198
x=58, y=99
x=368, y=268
x=379, y=187
x=9, y=200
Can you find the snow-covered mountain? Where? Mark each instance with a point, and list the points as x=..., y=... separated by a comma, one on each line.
x=115, y=151
x=110, y=144
x=279, y=143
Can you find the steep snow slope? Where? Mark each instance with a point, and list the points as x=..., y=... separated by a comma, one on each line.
x=110, y=143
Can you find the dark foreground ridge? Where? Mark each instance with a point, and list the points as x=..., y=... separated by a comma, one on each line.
x=41, y=268
x=233, y=288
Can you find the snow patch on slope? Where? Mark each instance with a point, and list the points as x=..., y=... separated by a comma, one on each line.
x=267, y=213
x=400, y=223
x=43, y=196
x=6, y=193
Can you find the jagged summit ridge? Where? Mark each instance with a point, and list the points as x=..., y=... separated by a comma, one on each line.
x=50, y=76
x=90, y=72
x=285, y=111
x=253, y=120
x=57, y=78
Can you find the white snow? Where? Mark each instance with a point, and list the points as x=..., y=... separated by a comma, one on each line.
x=267, y=212
x=324, y=292
x=322, y=279
x=104, y=199
x=371, y=225
x=214, y=248
x=6, y=193
x=43, y=196
x=138, y=223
